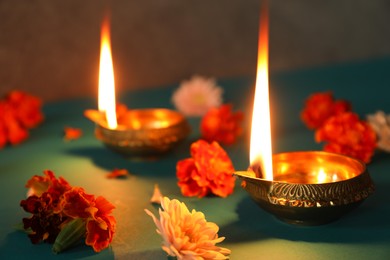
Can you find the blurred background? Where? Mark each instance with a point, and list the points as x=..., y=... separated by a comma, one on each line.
x=51, y=48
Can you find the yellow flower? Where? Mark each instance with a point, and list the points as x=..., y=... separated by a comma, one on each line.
x=187, y=235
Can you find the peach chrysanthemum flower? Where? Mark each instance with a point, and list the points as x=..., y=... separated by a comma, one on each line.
x=187, y=235
x=380, y=122
x=196, y=96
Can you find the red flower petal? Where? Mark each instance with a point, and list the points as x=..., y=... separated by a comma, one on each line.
x=72, y=133
x=117, y=173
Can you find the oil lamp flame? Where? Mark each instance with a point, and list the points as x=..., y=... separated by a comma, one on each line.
x=321, y=176
x=261, y=144
x=106, y=101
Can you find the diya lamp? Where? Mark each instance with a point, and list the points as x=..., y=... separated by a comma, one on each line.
x=304, y=188
x=135, y=132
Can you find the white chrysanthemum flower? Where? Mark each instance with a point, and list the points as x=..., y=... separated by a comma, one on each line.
x=380, y=122
x=196, y=96
x=187, y=235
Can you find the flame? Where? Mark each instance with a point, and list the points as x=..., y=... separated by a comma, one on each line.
x=261, y=144
x=106, y=78
x=321, y=176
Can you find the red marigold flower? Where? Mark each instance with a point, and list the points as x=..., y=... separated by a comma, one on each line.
x=27, y=107
x=210, y=170
x=63, y=214
x=99, y=225
x=221, y=125
x=14, y=132
x=349, y=135
x=18, y=112
x=320, y=106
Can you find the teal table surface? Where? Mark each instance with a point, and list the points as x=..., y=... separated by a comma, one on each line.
x=250, y=232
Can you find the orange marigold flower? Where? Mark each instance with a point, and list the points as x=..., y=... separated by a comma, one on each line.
x=348, y=135
x=221, y=125
x=210, y=170
x=100, y=225
x=62, y=214
x=320, y=106
x=71, y=133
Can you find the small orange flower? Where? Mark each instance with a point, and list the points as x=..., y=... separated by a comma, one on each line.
x=210, y=170
x=320, y=106
x=348, y=135
x=71, y=133
x=221, y=125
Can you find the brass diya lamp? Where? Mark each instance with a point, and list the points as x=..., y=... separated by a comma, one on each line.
x=310, y=187
x=142, y=132
x=305, y=188
x=138, y=132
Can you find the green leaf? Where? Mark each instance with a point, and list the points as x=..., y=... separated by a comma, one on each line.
x=70, y=235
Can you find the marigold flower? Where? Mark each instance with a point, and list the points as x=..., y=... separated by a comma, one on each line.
x=221, y=125
x=380, y=123
x=100, y=226
x=210, y=170
x=196, y=96
x=321, y=106
x=27, y=108
x=13, y=131
x=187, y=235
x=19, y=111
x=62, y=214
x=348, y=135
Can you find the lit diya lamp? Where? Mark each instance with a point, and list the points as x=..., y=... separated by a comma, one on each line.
x=135, y=132
x=304, y=188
